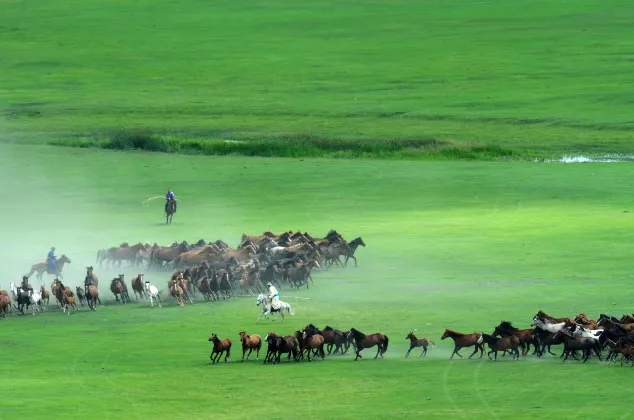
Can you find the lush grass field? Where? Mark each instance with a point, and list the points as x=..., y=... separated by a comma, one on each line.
x=450, y=244
x=537, y=77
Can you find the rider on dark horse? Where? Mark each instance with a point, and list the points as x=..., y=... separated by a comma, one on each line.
x=88, y=281
x=25, y=284
x=51, y=261
x=170, y=196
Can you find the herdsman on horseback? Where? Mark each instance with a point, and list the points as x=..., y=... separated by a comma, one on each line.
x=51, y=261
x=170, y=196
x=274, y=295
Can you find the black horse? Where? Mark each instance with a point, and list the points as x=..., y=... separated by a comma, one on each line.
x=170, y=209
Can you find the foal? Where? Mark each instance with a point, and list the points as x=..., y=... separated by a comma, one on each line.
x=250, y=342
x=417, y=342
x=220, y=346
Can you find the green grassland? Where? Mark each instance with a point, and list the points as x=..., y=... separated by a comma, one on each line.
x=444, y=78
x=449, y=245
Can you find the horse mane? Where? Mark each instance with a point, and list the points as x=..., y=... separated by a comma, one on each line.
x=359, y=334
x=455, y=332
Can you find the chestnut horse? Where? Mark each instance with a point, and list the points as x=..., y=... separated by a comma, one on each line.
x=312, y=340
x=462, y=340
x=363, y=341
x=417, y=342
x=69, y=304
x=4, y=305
x=250, y=342
x=92, y=296
x=137, y=287
x=46, y=295
x=220, y=346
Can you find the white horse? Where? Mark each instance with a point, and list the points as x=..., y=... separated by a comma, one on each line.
x=267, y=308
x=547, y=325
x=152, y=293
x=581, y=331
x=36, y=301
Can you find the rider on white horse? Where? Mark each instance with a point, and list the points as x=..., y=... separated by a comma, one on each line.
x=274, y=295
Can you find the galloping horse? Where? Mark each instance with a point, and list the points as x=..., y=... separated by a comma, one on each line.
x=42, y=268
x=267, y=308
x=464, y=340
x=220, y=346
x=363, y=341
x=250, y=342
x=170, y=210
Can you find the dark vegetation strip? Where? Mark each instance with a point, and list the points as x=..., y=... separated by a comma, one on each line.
x=300, y=145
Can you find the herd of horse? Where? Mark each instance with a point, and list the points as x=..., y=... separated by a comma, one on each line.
x=306, y=343
x=580, y=336
x=211, y=268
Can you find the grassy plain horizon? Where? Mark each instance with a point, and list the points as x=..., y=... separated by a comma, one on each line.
x=534, y=78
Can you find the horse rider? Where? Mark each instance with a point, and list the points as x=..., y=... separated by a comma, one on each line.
x=274, y=295
x=51, y=261
x=25, y=284
x=170, y=196
x=88, y=281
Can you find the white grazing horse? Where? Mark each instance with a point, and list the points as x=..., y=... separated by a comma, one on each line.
x=152, y=293
x=268, y=309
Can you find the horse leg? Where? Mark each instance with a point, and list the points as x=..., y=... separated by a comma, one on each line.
x=424, y=351
x=407, y=354
x=477, y=347
x=379, y=347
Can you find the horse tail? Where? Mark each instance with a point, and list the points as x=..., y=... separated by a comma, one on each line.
x=290, y=310
x=385, y=343
x=432, y=343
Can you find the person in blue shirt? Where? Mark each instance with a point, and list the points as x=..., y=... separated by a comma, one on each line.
x=170, y=196
x=51, y=260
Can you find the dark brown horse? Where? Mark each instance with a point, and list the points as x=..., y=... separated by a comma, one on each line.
x=502, y=344
x=250, y=342
x=220, y=346
x=415, y=342
x=170, y=209
x=526, y=337
x=119, y=289
x=462, y=340
x=138, y=287
x=587, y=345
x=335, y=338
x=363, y=341
x=279, y=345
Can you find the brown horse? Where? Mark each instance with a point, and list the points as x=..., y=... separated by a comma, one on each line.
x=118, y=288
x=335, y=338
x=415, y=342
x=46, y=295
x=5, y=302
x=363, y=341
x=612, y=326
x=501, y=344
x=220, y=346
x=250, y=342
x=69, y=304
x=311, y=340
x=42, y=268
x=462, y=340
x=92, y=296
x=138, y=287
